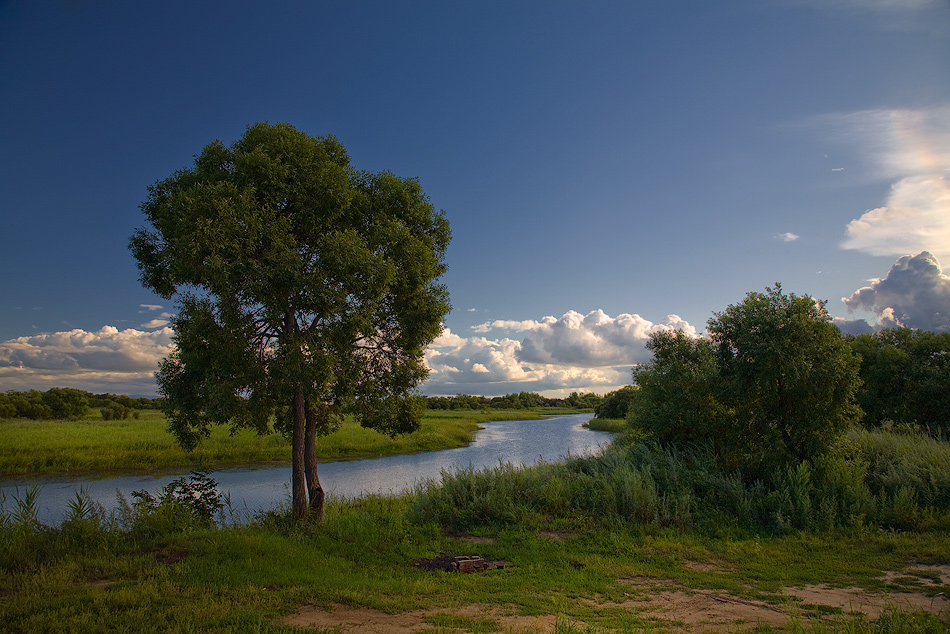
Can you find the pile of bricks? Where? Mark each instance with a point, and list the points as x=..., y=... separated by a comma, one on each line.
x=475, y=564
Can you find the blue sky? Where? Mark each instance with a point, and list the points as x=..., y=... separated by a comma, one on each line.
x=608, y=168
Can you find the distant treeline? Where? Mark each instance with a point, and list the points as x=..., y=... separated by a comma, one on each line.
x=905, y=380
x=63, y=403
x=522, y=400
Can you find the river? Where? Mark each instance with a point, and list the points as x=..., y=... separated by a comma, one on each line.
x=257, y=488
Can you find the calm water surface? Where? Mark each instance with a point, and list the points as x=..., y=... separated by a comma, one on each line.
x=261, y=488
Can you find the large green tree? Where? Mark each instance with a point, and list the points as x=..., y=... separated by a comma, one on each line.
x=787, y=376
x=306, y=289
x=773, y=385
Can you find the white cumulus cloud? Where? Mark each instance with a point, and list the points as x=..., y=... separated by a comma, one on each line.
x=554, y=356
x=594, y=339
x=915, y=294
x=105, y=360
x=592, y=352
x=915, y=217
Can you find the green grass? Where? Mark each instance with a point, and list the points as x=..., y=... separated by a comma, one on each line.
x=615, y=425
x=247, y=578
x=92, y=444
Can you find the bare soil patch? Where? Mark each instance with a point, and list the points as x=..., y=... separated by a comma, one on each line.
x=928, y=575
x=473, y=539
x=705, y=610
x=657, y=599
x=699, y=610
x=857, y=600
x=101, y=584
x=699, y=566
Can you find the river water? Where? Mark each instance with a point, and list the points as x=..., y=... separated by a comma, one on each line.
x=258, y=488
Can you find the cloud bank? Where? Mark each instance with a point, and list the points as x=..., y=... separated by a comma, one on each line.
x=592, y=352
x=914, y=294
x=554, y=356
x=107, y=360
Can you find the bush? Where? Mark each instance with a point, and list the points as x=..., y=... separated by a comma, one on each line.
x=116, y=411
x=66, y=403
x=616, y=404
x=181, y=505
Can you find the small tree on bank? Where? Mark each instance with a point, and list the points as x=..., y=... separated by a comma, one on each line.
x=773, y=385
x=306, y=289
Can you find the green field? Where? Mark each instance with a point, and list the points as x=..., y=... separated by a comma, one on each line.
x=357, y=572
x=93, y=444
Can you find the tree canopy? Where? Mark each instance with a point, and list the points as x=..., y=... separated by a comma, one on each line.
x=305, y=289
x=906, y=377
x=773, y=385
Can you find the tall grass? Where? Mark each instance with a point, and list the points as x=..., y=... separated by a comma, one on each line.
x=875, y=478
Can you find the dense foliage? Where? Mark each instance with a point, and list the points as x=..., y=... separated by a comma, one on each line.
x=617, y=403
x=306, y=289
x=906, y=377
x=773, y=386
x=61, y=403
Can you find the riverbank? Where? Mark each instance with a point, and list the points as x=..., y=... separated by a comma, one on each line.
x=91, y=444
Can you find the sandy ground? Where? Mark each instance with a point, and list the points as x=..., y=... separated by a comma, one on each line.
x=682, y=610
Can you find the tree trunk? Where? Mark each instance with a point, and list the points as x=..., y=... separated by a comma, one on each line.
x=314, y=490
x=298, y=456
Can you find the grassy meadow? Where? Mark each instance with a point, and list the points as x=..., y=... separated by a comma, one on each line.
x=93, y=444
x=639, y=539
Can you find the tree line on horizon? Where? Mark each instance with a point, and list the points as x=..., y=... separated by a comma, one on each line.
x=521, y=400
x=64, y=403
x=61, y=403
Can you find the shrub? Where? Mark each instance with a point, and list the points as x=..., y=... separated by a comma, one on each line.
x=180, y=506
